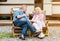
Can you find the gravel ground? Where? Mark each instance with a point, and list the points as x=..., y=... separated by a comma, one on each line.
x=6, y=29
x=53, y=36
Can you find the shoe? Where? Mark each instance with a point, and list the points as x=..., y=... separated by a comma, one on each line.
x=22, y=37
x=36, y=34
x=41, y=36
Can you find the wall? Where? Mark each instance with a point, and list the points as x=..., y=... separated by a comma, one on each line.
x=18, y=2
x=51, y=7
x=6, y=6
x=56, y=7
x=48, y=7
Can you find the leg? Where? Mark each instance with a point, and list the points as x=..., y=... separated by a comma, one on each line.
x=32, y=28
x=20, y=22
x=24, y=31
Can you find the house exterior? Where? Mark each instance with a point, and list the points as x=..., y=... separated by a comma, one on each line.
x=6, y=6
x=49, y=5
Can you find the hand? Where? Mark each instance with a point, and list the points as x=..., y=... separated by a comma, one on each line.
x=18, y=16
x=24, y=15
x=32, y=21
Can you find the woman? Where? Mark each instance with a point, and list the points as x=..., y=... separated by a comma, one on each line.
x=38, y=20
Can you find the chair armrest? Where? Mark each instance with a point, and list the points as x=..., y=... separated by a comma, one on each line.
x=46, y=23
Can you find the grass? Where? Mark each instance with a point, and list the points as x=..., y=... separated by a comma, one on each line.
x=6, y=35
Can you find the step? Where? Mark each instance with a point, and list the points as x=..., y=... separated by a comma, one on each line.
x=10, y=22
x=54, y=22
x=6, y=22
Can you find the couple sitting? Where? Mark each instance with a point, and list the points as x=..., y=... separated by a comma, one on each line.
x=21, y=20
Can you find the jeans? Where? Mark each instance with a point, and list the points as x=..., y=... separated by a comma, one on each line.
x=29, y=24
x=26, y=24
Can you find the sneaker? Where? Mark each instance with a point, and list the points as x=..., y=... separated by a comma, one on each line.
x=22, y=37
x=41, y=35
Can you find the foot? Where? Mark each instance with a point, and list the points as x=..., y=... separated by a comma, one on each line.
x=36, y=34
x=41, y=36
x=22, y=37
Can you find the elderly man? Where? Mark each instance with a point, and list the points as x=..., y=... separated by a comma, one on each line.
x=21, y=20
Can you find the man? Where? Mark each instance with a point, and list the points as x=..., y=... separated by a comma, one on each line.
x=21, y=20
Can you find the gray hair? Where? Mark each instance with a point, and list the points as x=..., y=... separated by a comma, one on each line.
x=23, y=6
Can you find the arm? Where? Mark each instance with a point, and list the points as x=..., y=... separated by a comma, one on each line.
x=21, y=16
x=41, y=17
x=33, y=19
x=17, y=14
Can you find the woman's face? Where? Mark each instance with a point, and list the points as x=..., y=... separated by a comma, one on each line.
x=36, y=11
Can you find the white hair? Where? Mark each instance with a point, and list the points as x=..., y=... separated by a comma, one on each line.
x=39, y=9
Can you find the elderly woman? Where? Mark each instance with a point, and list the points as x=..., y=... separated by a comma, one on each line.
x=38, y=21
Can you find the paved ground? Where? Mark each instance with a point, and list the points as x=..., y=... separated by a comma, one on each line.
x=6, y=29
x=54, y=36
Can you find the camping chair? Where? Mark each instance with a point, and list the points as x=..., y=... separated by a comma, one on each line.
x=45, y=29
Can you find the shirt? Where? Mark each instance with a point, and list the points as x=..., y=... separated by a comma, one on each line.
x=38, y=17
x=16, y=13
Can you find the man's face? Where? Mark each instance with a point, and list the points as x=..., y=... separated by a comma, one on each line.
x=24, y=9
